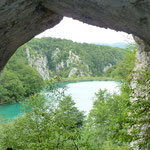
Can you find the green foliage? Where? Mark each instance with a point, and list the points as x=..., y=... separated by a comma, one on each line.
x=123, y=69
x=106, y=125
x=44, y=126
x=19, y=80
x=11, y=88
x=95, y=56
x=139, y=116
x=112, y=123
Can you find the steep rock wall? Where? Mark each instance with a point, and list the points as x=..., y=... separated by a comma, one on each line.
x=140, y=94
x=20, y=21
x=39, y=62
x=72, y=65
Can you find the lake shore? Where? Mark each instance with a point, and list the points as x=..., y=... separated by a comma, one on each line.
x=82, y=93
x=60, y=82
x=78, y=79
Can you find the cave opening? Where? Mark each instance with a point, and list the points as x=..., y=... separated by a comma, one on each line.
x=35, y=17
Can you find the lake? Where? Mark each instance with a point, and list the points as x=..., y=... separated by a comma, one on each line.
x=81, y=92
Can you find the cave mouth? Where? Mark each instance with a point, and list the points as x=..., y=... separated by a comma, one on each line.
x=77, y=31
x=36, y=51
x=30, y=18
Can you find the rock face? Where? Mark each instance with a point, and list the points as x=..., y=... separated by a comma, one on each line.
x=106, y=67
x=73, y=72
x=39, y=62
x=60, y=66
x=73, y=63
x=21, y=20
x=142, y=64
x=140, y=85
x=143, y=54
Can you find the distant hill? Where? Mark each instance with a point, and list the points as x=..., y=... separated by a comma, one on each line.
x=118, y=44
x=70, y=59
x=51, y=57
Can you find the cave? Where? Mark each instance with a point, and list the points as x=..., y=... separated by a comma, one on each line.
x=21, y=20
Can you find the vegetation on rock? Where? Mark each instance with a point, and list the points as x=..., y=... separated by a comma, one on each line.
x=64, y=55
x=19, y=80
x=40, y=58
x=112, y=124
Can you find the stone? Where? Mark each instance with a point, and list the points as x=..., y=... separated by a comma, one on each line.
x=140, y=90
x=59, y=66
x=106, y=67
x=73, y=72
x=73, y=59
x=39, y=62
x=20, y=21
x=55, y=53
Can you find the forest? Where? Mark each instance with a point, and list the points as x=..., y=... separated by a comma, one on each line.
x=95, y=56
x=58, y=124
x=21, y=78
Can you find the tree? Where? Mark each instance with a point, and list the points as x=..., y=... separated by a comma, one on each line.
x=11, y=88
x=44, y=126
x=106, y=123
x=123, y=69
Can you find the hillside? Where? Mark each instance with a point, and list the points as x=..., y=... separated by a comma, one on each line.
x=49, y=57
x=70, y=59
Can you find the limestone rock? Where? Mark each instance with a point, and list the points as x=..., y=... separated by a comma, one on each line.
x=106, y=67
x=55, y=54
x=73, y=59
x=39, y=62
x=59, y=66
x=140, y=90
x=73, y=72
x=73, y=63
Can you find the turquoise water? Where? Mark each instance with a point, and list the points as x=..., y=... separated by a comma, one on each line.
x=9, y=111
x=81, y=92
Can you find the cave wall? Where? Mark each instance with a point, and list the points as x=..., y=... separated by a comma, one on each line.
x=21, y=20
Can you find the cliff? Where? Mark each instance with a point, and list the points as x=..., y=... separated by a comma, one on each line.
x=52, y=57
x=39, y=62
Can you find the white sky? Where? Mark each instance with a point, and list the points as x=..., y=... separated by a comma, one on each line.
x=80, y=32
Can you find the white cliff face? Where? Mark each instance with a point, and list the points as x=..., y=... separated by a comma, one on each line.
x=39, y=62
x=81, y=69
x=106, y=67
x=73, y=72
x=73, y=59
x=73, y=63
x=55, y=53
x=59, y=66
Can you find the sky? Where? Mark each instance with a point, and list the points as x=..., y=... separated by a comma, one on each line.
x=77, y=31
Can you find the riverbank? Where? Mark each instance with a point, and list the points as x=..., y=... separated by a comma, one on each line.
x=82, y=93
x=78, y=79
x=59, y=82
